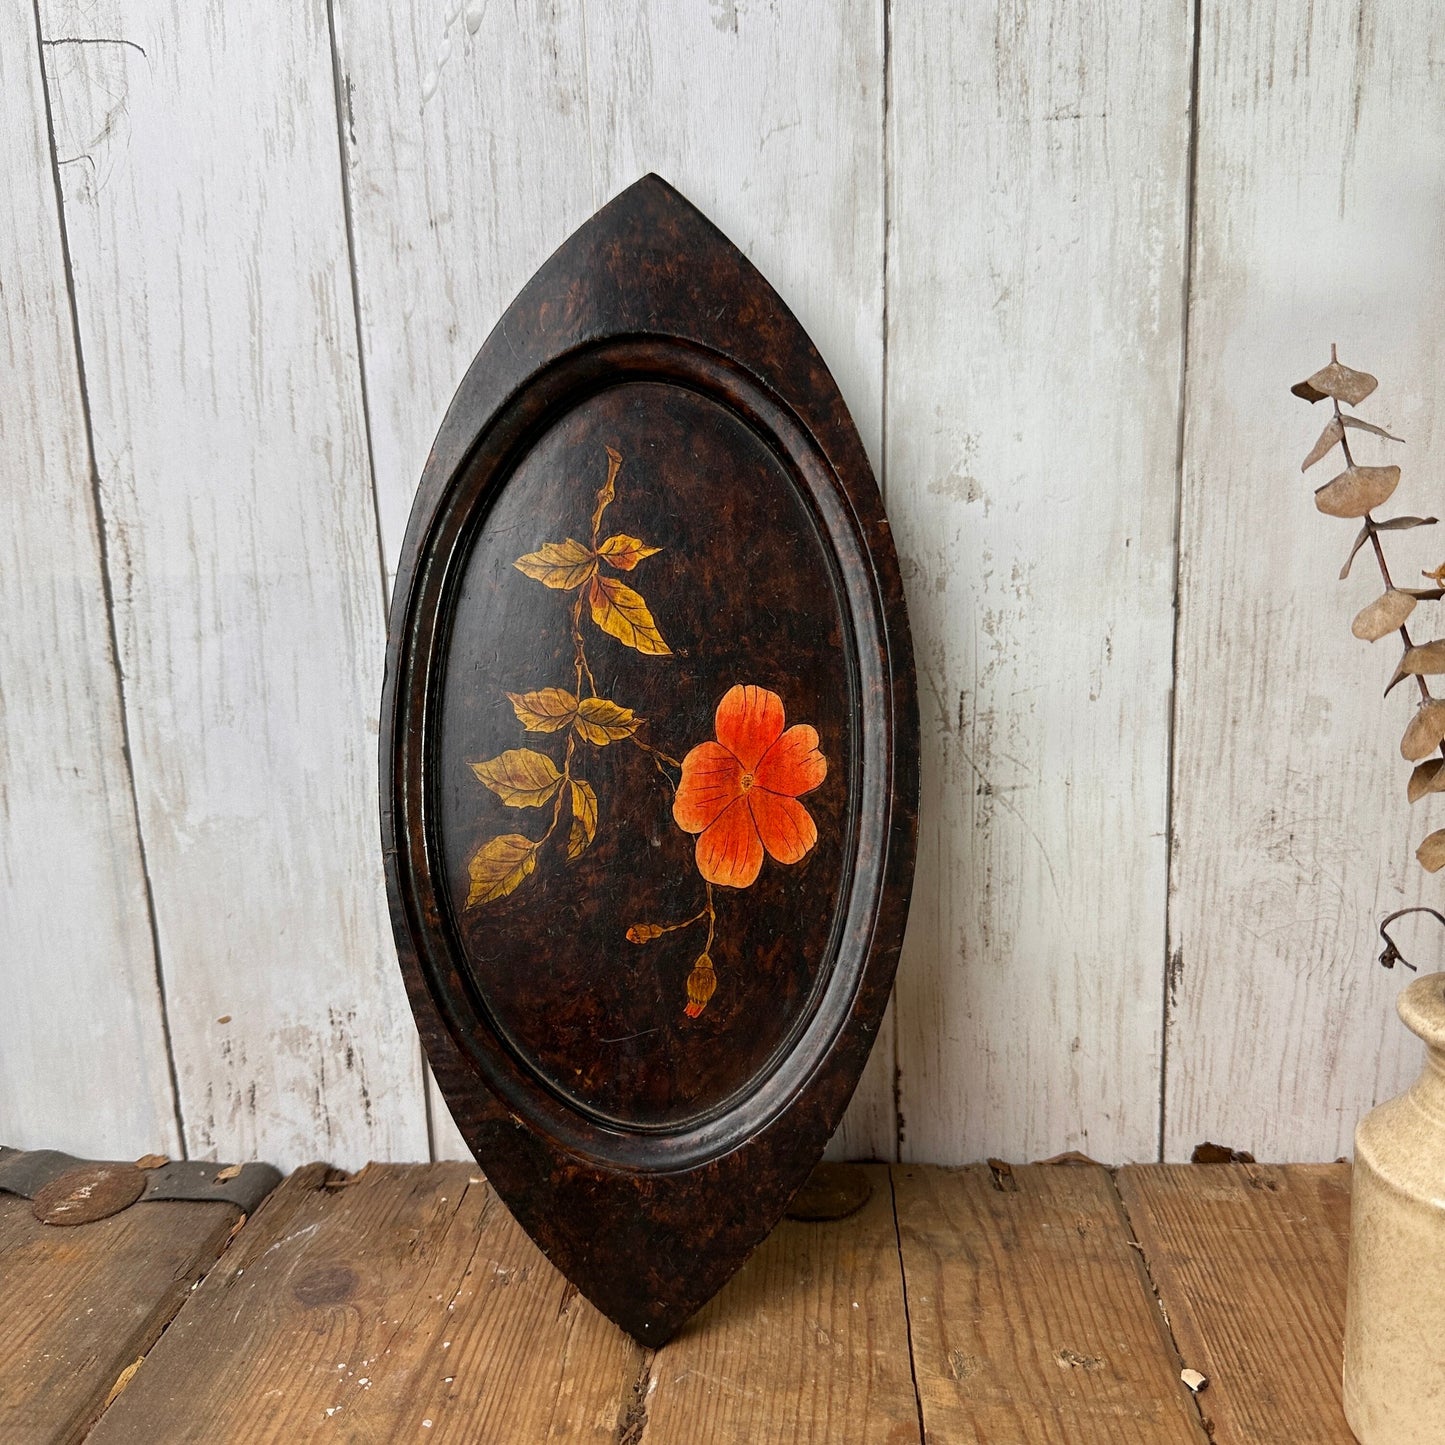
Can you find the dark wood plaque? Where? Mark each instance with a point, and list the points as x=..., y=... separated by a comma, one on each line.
x=649, y=758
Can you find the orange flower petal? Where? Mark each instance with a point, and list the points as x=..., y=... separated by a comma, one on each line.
x=793, y=764
x=784, y=825
x=730, y=852
x=711, y=779
x=749, y=722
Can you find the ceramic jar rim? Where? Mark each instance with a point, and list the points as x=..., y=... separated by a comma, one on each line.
x=1421, y=1007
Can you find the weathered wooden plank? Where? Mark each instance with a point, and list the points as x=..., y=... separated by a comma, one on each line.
x=81, y=1303
x=92, y=1076
x=1035, y=267
x=447, y=110
x=1293, y=833
x=1250, y=1267
x=769, y=119
x=1031, y=1315
x=216, y=317
x=405, y=1305
x=808, y=1342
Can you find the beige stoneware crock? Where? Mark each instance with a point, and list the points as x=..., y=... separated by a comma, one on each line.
x=1395, y=1315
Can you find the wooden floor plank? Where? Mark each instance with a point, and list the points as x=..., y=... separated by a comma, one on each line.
x=1249, y=1263
x=1032, y=1318
x=78, y=1304
x=807, y=1343
x=405, y=1305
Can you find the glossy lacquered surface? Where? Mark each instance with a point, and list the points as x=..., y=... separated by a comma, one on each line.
x=649, y=766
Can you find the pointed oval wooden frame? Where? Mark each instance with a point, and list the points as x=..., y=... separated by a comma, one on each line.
x=650, y=1222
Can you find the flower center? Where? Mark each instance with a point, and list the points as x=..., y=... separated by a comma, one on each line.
x=748, y=781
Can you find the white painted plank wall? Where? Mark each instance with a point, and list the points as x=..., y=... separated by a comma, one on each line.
x=981, y=215
x=211, y=278
x=1321, y=188
x=1037, y=170
x=82, y=1037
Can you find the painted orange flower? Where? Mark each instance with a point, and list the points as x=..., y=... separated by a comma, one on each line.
x=740, y=794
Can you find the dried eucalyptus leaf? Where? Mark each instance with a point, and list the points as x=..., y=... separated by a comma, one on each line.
x=1394, y=524
x=1383, y=616
x=1424, y=594
x=1354, y=551
x=1357, y=491
x=1425, y=731
x=1431, y=852
x=1328, y=438
x=1376, y=431
x=1339, y=381
x=1428, y=777
x=1426, y=659
x=1422, y=661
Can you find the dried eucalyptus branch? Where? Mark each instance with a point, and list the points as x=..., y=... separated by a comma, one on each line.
x=1356, y=492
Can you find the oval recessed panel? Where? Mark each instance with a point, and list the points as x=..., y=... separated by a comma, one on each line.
x=584, y=964
x=649, y=758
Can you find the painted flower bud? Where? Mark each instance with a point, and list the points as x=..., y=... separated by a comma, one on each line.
x=701, y=985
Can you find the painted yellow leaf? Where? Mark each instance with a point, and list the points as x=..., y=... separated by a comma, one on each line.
x=1337, y=380
x=498, y=866
x=625, y=552
x=1426, y=660
x=520, y=777
x=645, y=932
x=546, y=711
x=1357, y=490
x=620, y=611
x=584, y=818
x=1428, y=777
x=563, y=565
x=1329, y=437
x=1425, y=731
x=1431, y=852
x=1386, y=614
x=608, y=491
x=602, y=722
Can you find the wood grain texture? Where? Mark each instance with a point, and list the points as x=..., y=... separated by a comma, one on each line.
x=1030, y=1312
x=405, y=1304
x=446, y=121
x=363, y=1308
x=809, y=1342
x=1250, y=1267
x=83, y=1303
x=202, y=195
x=82, y=1036
x=1037, y=172
x=1317, y=220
